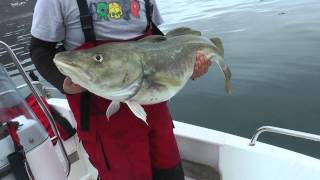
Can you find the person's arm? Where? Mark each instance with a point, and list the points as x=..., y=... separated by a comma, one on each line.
x=42, y=54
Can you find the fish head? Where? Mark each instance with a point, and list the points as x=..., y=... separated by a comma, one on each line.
x=97, y=70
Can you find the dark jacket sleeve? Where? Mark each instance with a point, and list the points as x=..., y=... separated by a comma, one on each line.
x=42, y=54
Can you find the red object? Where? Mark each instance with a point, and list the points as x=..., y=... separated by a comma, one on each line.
x=35, y=107
x=124, y=147
x=135, y=8
x=7, y=114
x=33, y=104
x=12, y=130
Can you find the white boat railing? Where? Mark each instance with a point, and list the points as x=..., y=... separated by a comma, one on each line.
x=283, y=131
x=44, y=90
x=41, y=103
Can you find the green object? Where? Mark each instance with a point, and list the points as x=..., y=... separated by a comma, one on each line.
x=102, y=10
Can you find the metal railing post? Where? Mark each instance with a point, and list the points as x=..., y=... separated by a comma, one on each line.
x=41, y=103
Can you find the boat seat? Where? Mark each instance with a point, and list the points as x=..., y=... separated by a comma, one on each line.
x=197, y=171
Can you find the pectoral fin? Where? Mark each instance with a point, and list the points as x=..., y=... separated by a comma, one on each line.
x=113, y=108
x=137, y=110
x=129, y=91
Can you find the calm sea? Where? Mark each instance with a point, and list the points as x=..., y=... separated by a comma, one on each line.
x=272, y=47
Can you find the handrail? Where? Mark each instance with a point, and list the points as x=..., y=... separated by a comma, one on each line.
x=7, y=92
x=283, y=131
x=25, y=85
x=45, y=91
x=41, y=103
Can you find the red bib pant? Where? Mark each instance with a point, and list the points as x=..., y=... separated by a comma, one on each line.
x=124, y=147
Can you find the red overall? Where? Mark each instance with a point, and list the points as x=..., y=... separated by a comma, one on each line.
x=124, y=147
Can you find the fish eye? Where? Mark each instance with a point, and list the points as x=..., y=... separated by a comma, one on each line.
x=98, y=58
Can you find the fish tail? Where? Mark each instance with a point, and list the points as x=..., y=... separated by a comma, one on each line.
x=227, y=77
x=226, y=72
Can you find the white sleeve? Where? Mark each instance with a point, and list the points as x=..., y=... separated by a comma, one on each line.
x=47, y=23
x=156, y=16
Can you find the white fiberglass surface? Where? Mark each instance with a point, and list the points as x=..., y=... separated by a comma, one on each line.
x=266, y=163
x=236, y=160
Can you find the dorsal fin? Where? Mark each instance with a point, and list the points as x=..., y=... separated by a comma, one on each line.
x=183, y=31
x=218, y=43
x=153, y=38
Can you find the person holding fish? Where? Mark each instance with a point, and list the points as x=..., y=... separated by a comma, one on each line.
x=121, y=146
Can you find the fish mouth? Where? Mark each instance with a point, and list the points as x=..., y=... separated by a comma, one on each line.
x=71, y=69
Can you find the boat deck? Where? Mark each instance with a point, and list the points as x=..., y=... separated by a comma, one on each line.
x=196, y=171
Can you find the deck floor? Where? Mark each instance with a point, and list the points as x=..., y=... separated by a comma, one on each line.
x=196, y=171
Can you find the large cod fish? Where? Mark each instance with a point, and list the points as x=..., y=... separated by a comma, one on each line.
x=147, y=71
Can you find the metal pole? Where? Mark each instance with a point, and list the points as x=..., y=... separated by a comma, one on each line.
x=283, y=131
x=41, y=103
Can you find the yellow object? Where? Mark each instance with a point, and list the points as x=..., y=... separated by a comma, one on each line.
x=115, y=10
